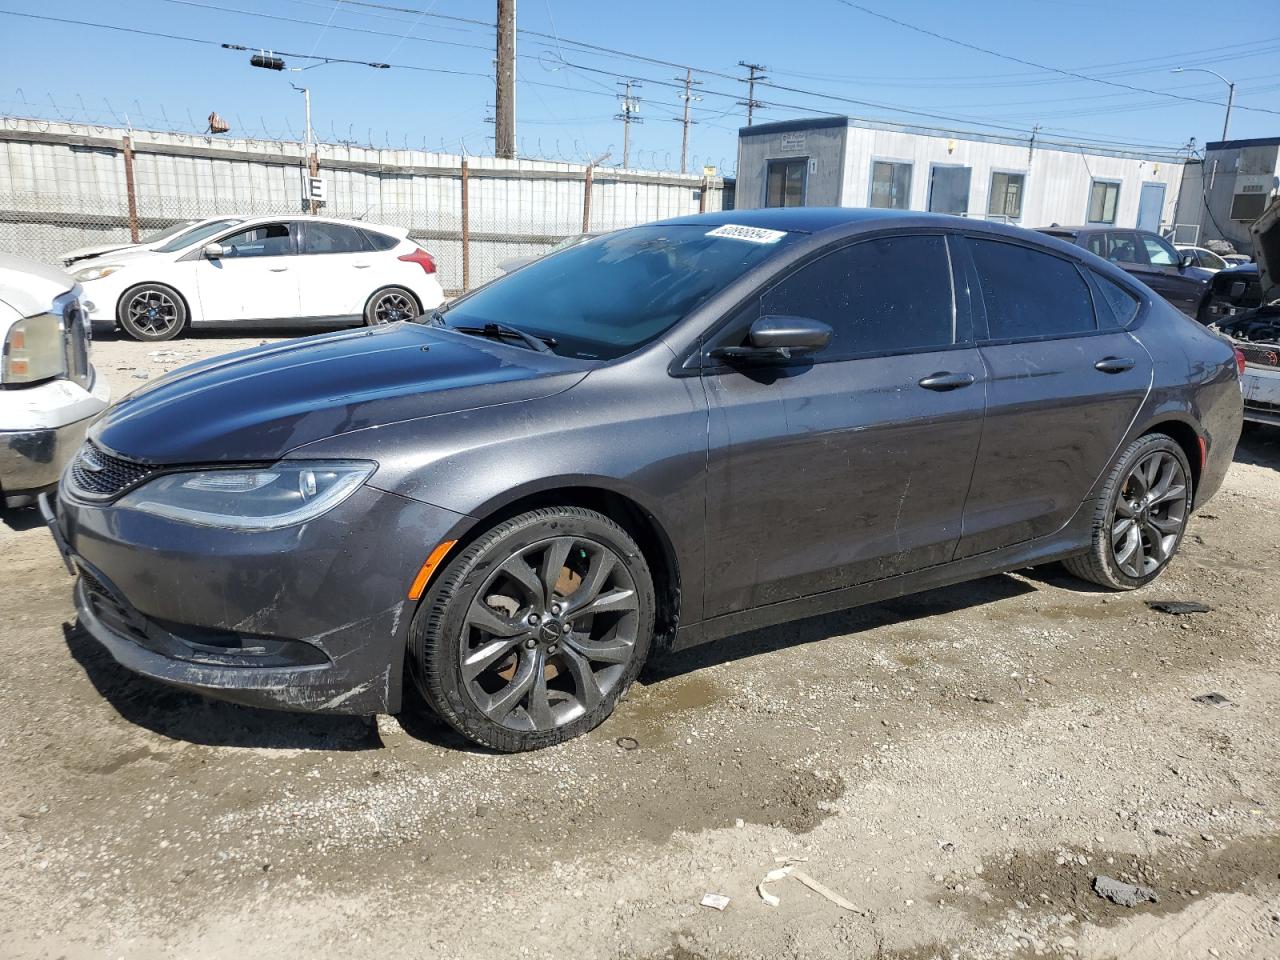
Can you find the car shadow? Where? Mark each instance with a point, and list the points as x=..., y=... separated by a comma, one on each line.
x=1259, y=446
x=227, y=332
x=911, y=608
x=21, y=519
x=179, y=715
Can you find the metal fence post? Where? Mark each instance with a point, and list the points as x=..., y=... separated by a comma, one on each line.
x=586, y=200
x=466, y=229
x=129, y=189
x=702, y=197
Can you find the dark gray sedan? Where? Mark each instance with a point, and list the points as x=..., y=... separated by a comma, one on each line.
x=654, y=439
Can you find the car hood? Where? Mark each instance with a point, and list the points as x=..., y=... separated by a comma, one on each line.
x=1266, y=244
x=86, y=253
x=258, y=404
x=30, y=287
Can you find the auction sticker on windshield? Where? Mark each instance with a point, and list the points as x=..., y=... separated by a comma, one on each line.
x=750, y=234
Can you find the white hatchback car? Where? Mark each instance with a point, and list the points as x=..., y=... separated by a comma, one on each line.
x=264, y=270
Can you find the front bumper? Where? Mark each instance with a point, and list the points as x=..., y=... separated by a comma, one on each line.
x=50, y=422
x=309, y=618
x=1261, y=386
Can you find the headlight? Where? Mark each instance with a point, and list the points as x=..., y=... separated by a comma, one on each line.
x=268, y=498
x=97, y=273
x=33, y=350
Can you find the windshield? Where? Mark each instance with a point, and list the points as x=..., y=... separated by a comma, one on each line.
x=604, y=298
x=195, y=234
x=167, y=232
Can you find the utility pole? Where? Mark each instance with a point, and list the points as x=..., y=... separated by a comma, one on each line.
x=313, y=165
x=629, y=114
x=684, y=138
x=756, y=72
x=505, y=97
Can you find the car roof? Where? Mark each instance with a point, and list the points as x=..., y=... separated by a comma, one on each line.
x=804, y=219
x=309, y=218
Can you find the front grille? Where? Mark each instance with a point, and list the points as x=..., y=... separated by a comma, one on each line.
x=98, y=475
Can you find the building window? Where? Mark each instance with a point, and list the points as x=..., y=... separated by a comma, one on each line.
x=785, y=182
x=949, y=190
x=890, y=185
x=1006, y=196
x=1104, y=195
x=1248, y=207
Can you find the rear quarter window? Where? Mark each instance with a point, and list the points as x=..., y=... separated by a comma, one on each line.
x=1119, y=307
x=1028, y=294
x=379, y=241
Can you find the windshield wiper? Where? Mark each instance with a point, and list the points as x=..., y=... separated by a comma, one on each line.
x=500, y=331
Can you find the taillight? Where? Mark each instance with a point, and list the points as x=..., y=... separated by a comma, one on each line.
x=1239, y=360
x=421, y=258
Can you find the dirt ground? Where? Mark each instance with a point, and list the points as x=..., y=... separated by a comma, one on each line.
x=959, y=764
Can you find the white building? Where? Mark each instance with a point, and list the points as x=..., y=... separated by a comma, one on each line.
x=1228, y=190
x=846, y=162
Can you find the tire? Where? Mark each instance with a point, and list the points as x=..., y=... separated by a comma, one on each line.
x=389, y=305
x=1134, y=535
x=152, y=312
x=490, y=651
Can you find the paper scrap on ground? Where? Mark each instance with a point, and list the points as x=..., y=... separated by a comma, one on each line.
x=773, y=876
x=716, y=901
x=781, y=873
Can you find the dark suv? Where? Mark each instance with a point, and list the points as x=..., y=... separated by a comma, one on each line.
x=657, y=438
x=1149, y=257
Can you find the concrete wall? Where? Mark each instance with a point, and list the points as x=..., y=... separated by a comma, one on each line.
x=64, y=185
x=1057, y=179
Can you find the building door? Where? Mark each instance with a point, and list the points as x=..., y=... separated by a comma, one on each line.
x=785, y=182
x=1150, y=206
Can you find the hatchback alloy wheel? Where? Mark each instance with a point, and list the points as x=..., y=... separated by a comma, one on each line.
x=534, y=632
x=152, y=312
x=391, y=306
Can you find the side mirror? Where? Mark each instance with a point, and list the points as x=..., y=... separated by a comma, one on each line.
x=1186, y=260
x=214, y=251
x=776, y=340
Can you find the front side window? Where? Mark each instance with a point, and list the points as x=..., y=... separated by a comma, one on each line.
x=1104, y=195
x=1006, y=195
x=785, y=183
x=332, y=238
x=195, y=235
x=890, y=185
x=1029, y=294
x=606, y=297
x=264, y=240
x=1159, y=252
x=891, y=295
x=949, y=190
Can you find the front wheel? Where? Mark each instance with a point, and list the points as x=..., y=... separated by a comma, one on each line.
x=152, y=312
x=1141, y=517
x=389, y=306
x=535, y=631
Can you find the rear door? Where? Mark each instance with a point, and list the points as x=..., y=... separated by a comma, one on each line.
x=254, y=279
x=335, y=270
x=852, y=465
x=1062, y=390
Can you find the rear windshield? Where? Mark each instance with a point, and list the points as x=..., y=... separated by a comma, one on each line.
x=606, y=297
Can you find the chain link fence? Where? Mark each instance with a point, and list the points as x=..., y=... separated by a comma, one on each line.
x=63, y=187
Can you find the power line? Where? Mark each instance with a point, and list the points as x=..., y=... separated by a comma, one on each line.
x=1039, y=66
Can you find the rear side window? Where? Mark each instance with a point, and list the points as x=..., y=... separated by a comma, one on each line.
x=378, y=241
x=332, y=238
x=891, y=295
x=1116, y=301
x=1097, y=243
x=1029, y=294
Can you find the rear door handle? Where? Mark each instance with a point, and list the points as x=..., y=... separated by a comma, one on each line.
x=1115, y=364
x=362, y=266
x=946, y=381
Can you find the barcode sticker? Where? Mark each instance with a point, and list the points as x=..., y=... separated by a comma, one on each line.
x=736, y=231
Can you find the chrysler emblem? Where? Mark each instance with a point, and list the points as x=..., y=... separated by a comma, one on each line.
x=90, y=461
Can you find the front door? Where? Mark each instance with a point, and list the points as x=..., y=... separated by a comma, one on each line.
x=254, y=279
x=1164, y=273
x=1150, y=207
x=1062, y=388
x=853, y=466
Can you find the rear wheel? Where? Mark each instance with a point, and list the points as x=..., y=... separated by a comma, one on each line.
x=536, y=630
x=389, y=306
x=1142, y=515
x=152, y=312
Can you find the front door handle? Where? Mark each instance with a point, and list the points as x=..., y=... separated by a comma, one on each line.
x=1115, y=364
x=946, y=381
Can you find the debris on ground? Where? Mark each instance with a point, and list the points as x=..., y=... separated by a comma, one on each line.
x=1212, y=699
x=773, y=876
x=1125, y=894
x=716, y=901
x=628, y=743
x=789, y=870
x=1179, y=607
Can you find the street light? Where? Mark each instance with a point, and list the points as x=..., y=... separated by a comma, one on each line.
x=1231, y=91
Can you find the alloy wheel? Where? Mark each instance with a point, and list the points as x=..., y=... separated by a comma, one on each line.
x=1149, y=514
x=393, y=306
x=153, y=312
x=550, y=634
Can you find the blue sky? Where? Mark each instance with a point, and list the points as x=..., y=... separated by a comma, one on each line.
x=566, y=95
